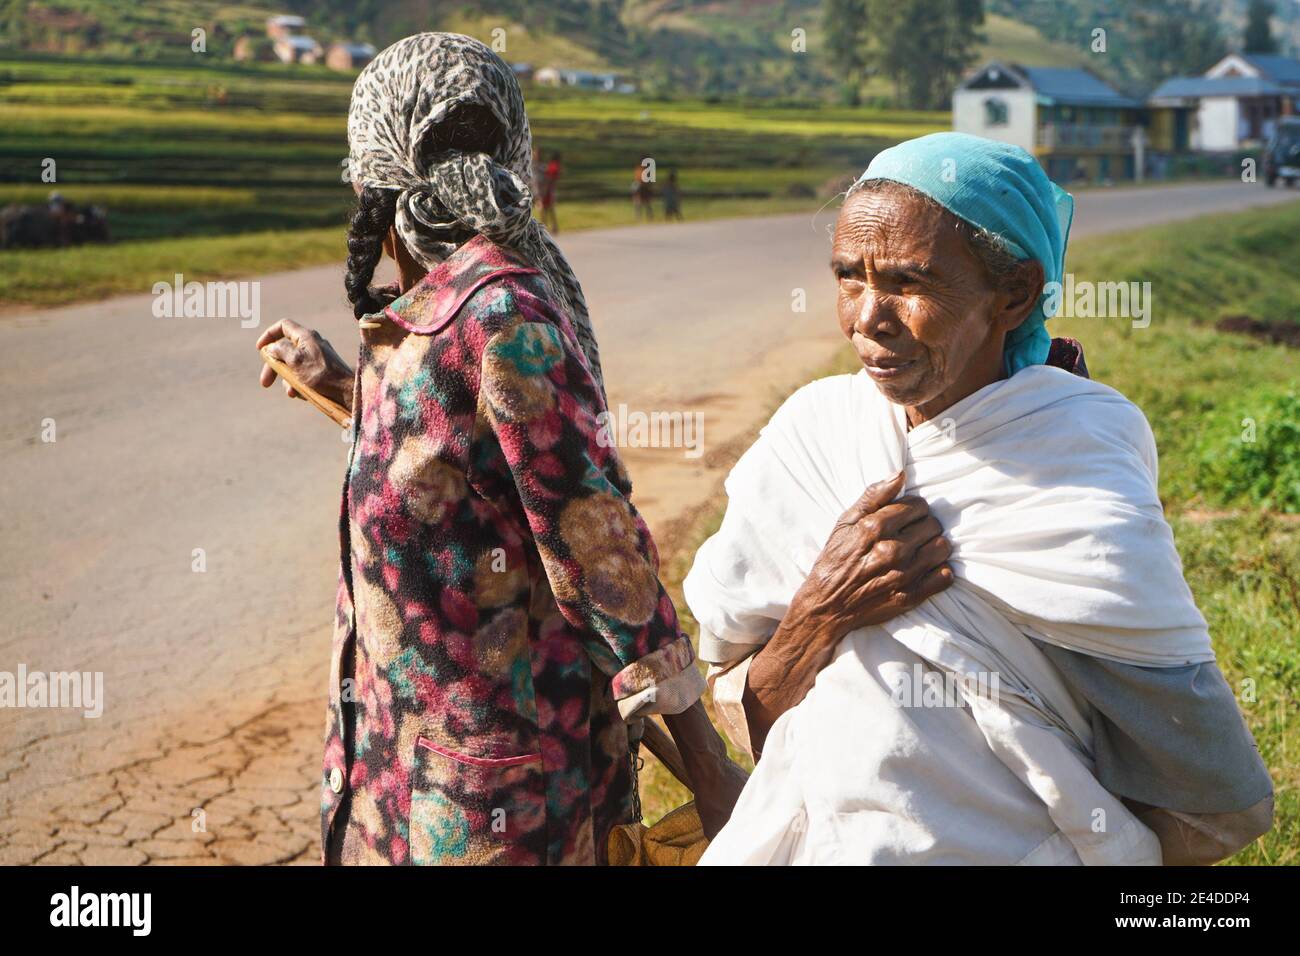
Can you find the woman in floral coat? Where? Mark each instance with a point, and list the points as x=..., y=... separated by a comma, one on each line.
x=499, y=614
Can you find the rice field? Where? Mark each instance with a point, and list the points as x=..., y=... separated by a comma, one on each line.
x=194, y=163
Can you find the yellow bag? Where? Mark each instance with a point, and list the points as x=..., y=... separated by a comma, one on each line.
x=676, y=840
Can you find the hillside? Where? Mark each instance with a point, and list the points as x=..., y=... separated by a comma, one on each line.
x=1063, y=18
x=1147, y=41
x=669, y=47
x=710, y=47
x=218, y=169
x=1016, y=42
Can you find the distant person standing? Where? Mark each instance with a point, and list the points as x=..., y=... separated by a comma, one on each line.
x=550, y=178
x=672, y=198
x=642, y=194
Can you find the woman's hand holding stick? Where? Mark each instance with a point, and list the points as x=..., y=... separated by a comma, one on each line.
x=310, y=368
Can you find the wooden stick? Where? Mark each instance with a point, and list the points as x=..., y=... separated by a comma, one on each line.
x=659, y=743
x=341, y=416
x=656, y=739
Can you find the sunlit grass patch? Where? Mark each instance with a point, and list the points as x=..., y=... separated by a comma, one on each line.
x=135, y=196
x=185, y=157
x=49, y=277
x=59, y=276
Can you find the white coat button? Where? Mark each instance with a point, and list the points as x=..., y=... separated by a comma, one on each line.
x=336, y=780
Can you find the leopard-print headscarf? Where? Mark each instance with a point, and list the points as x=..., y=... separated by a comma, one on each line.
x=445, y=199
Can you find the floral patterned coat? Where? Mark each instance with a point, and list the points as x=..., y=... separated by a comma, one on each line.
x=499, y=610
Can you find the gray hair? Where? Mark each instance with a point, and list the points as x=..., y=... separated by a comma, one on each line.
x=993, y=252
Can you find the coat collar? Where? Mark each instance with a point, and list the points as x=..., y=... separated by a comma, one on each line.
x=436, y=299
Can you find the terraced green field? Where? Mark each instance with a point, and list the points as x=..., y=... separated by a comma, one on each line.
x=218, y=155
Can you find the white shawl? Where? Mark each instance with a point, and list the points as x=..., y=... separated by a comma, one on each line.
x=1045, y=484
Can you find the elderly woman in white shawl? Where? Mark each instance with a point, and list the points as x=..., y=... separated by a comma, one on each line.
x=944, y=610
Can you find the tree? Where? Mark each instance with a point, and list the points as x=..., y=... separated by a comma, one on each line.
x=1168, y=38
x=1259, y=35
x=845, y=26
x=923, y=46
x=926, y=47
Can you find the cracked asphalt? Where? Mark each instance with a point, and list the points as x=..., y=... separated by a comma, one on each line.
x=179, y=534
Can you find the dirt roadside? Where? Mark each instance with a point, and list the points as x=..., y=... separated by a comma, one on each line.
x=233, y=780
x=216, y=681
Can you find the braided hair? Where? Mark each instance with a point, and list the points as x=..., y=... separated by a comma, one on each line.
x=439, y=119
x=369, y=227
x=468, y=127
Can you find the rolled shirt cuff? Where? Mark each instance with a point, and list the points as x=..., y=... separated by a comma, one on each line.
x=725, y=652
x=663, y=682
x=727, y=684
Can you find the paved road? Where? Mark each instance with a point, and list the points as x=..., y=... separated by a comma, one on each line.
x=214, y=679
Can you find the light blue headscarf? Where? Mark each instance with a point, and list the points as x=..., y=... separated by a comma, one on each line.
x=998, y=187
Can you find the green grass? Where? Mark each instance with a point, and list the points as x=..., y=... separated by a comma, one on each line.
x=41, y=277
x=276, y=131
x=49, y=277
x=524, y=44
x=1245, y=572
x=1195, y=385
x=722, y=47
x=208, y=170
x=1014, y=42
x=155, y=28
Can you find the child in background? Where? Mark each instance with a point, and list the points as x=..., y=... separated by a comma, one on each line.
x=672, y=198
x=642, y=194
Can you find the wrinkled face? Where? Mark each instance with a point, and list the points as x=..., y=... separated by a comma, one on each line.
x=915, y=301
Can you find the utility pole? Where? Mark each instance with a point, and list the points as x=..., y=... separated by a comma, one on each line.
x=1139, y=141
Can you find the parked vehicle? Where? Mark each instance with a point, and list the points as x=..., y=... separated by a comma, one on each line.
x=1282, y=153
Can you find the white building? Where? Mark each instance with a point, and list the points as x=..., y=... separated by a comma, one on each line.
x=583, y=80
x=997, y=102
x=298, y=49
x=1237, y=101
x=284, y=26
x=349, y=56
x=1070, y=120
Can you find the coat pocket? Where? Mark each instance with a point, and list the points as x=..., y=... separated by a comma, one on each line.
x=471, y=810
